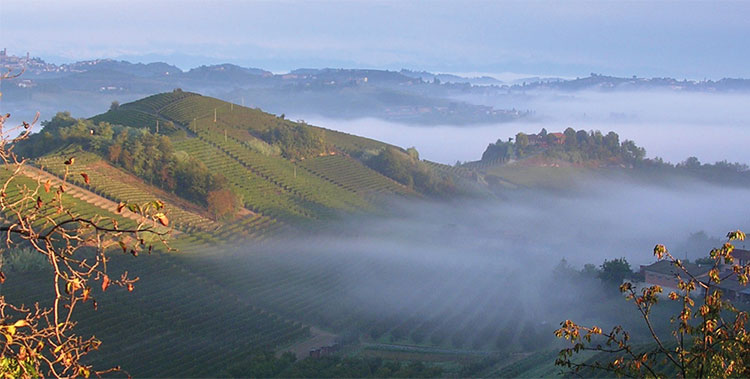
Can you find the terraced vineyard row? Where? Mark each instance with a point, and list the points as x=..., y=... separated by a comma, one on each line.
x=345, y=293
x=174, y=324
x=153, y=104
x=284, y=174
x=455, y=170
x=74, y=205
x=352, y=175
x=256, y=228
x=128, y=117
x=187, y=109
x=110, y=182
x=257, y=194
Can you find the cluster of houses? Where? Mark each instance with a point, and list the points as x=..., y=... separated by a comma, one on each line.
x=664, y=274
x=325, y=351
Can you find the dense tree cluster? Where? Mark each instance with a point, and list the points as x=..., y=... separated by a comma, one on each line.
x=296, y=140
x=407, y=169
x=573, y=146
x=146, y=155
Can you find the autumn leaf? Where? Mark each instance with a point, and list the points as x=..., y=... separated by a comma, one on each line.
x=85, y=177
x=39, y=202
x=47, y=185
x=162, y=218
x=21, y=323
x=70, y=161
x=105, y=283
x=120, y=206
x=131, y=287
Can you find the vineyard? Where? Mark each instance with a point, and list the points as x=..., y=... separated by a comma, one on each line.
x=175, y=323
x=119, y=186
x=73, y=204
x=128, y=117
x=351, y=292
x=257, y=193
x=285, y=175
x=352, y=175
x=227, y=142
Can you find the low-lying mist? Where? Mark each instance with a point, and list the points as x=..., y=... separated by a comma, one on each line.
x=669, y=124
x=475, y=273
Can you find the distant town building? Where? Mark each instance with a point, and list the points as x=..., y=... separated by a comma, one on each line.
x=665, y=274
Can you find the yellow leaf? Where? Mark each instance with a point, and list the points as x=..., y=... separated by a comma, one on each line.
x=162, y=219
x=21, y=324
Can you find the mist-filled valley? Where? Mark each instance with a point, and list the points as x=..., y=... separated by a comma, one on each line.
x=460, y=274
x=374, y=189
x=670, y=124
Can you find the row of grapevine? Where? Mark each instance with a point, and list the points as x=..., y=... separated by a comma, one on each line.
x=352, y=175
x=448, y=312
x=154, y=103
x=258, y=194
x=72, y=204
x=174, y=324
x=116, y=185
x=128, y=117
x=284, y=174
x=199, y=108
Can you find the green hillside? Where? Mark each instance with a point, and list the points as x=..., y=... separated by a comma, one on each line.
x=223, y=169
x=235, y=176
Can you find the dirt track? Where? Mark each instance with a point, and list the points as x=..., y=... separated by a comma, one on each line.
x=81, y=193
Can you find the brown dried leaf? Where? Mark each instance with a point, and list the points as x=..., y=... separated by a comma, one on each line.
x=105, y=283
x=162, y=218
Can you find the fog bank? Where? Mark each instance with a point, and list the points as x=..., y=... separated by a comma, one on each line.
x=671, y=125
x=479, y=274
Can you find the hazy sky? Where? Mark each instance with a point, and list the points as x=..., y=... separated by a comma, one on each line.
x=679, y=39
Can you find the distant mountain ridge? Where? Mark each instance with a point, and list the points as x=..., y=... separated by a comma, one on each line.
x=37, y=66
x=406, y=96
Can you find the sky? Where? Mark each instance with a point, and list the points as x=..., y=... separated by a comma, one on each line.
x=693, y=40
